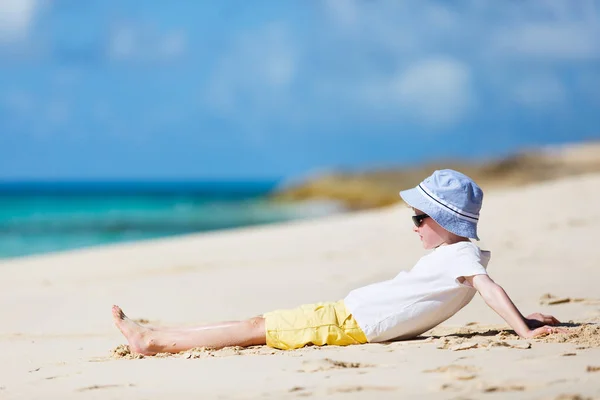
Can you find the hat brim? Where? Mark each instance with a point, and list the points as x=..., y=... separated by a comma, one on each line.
x=415, y=199
x=446, y=220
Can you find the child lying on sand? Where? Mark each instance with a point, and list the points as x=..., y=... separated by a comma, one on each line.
x=446, y=207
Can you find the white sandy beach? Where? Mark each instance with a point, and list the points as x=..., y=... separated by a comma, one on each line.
x=57, y=334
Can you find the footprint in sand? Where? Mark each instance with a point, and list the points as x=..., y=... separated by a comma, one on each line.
x=361, y=388
x=95, y=387
x=459, y=374
x=456, y=372
x=503, y=388
x=305, y=392
x=513, y=344
x=451, y=386
x=549, y=299
x=455, y=344
x=572, y=397
x=49, y=378
x=299, y=391
x=329, y=364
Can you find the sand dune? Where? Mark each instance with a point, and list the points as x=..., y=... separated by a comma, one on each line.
x=57, y=339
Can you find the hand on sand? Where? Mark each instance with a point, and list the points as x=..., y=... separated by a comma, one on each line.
x=537, y=320
x=542, y=331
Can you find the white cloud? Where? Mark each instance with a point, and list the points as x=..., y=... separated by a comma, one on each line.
x=256, y=72
x=559, y=41
x=436, y=91
x=173, y=44
x=57, y=112
x=432, y=92
x=343, y=11
x=28, y=112
x=122, y=43
x=540, y=92
x=133, y=43
x=514, y=50
x=543, y=28
x=386, y=52
x=17, y=102
x=16, y=18
x=386, y=26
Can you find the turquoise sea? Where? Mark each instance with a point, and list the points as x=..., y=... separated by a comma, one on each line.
x=42, y=217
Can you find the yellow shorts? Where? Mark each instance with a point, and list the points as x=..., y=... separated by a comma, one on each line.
x=320, y=324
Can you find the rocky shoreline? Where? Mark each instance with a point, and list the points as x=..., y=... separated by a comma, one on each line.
x=379, y=188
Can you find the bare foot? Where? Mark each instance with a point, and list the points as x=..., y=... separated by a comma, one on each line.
x=137, y=335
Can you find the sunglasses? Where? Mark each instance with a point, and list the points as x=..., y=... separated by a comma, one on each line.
x=418, y=219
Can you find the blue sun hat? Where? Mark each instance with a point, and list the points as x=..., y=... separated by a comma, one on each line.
x=452, y=199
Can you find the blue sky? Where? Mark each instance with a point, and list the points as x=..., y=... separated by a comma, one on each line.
x=267, y=89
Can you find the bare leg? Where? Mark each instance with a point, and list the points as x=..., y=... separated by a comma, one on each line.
x=189, y=328
x=151, y=341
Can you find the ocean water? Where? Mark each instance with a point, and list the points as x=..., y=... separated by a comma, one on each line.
x=47, y=217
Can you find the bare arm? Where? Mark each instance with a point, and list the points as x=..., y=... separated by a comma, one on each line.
x=498, y=300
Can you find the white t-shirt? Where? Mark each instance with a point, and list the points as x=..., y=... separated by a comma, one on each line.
x=417, y=300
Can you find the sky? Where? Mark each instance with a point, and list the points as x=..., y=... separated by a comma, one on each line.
x=232, y=89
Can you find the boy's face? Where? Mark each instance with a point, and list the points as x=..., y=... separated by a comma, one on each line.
x=431, y=233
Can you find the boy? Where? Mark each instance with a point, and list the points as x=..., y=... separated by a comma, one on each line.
x=446, y=207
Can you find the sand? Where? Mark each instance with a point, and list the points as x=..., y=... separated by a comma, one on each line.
x=57, y=339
